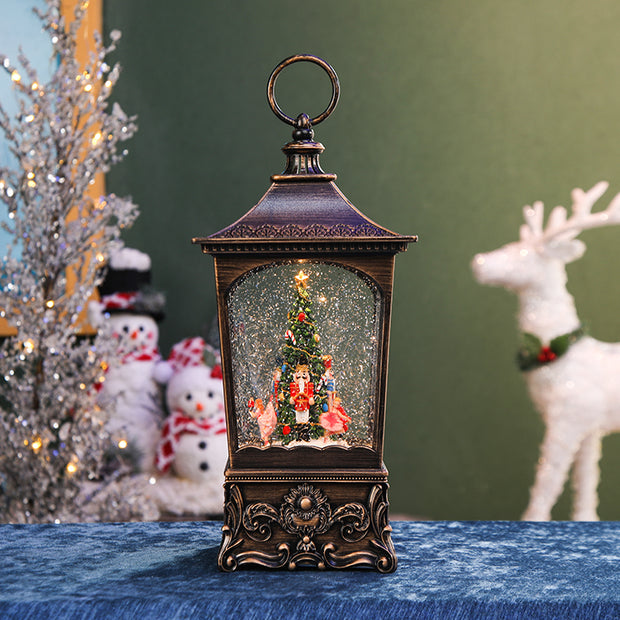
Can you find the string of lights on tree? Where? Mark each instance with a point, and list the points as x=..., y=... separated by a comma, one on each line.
x=304, y=393
x=53, y=443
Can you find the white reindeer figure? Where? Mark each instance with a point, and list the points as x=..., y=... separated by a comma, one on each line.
x=573, y=380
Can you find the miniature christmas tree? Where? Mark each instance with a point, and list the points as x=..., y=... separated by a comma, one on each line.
x=52, y=437
x=304, y=384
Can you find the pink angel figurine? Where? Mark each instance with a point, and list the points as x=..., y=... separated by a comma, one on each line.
x=335, y=421
x=265, y=416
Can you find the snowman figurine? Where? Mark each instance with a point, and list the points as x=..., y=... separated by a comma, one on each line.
x=193, y=448
x=132, y=312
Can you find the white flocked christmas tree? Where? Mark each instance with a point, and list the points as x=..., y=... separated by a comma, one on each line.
x=56, y=458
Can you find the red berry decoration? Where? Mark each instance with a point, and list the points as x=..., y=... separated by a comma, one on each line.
x=301, y=317
x=546, y=355
x=286, y=430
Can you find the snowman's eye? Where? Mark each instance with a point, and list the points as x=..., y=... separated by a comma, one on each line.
x=141, y=328
x=210, y=395
x=126, y=328
x=188, y=396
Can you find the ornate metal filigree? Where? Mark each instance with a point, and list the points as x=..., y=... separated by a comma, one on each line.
x=233, y=507
x=305, y=512
x=381, y=553
x=256, y=520
x=296, y=231
x=361, y=533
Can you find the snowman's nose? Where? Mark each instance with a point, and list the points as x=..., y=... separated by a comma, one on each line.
x=199, y=407
x=134, y=334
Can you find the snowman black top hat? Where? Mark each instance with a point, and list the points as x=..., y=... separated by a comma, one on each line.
x=126, y=285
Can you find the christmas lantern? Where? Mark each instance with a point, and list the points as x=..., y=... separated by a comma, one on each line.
x=304, y=289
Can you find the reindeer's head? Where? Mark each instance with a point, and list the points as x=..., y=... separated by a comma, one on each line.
x=541, y=253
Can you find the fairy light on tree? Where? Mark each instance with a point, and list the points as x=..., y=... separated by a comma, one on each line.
x=305, y=384
x=65, y=133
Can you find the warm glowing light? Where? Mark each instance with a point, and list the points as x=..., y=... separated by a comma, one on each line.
x=122, y=444
x=34, y=86
x=96, y=138
x=29, y=345
x=49, y=303
x=29, y=118
x=71, y=468
x=36, y=445
x=301, y=279
x=16, y=77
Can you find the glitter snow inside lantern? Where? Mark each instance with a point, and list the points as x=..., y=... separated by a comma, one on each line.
x=304, y=288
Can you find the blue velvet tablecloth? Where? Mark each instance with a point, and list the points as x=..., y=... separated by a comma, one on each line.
x=454, y=570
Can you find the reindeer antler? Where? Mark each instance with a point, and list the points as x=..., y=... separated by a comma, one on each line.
x=562, y=228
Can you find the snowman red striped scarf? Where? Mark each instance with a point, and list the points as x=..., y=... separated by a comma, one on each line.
x=177, y=425
x=144, y=354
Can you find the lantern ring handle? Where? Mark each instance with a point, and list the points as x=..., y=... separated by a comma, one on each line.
x=273, y=104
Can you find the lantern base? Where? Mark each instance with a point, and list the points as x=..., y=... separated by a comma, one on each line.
x=306, y=520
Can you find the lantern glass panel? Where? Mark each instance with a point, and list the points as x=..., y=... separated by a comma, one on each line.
x=297, y=323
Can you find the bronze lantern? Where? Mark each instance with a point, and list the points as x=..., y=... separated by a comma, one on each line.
x=304, y=289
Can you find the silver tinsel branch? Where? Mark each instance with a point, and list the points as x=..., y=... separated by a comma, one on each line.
x=54, y=450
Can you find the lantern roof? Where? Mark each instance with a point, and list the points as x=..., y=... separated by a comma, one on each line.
x=304, y=205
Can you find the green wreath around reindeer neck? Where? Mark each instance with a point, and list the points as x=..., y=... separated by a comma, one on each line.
x=533, y=354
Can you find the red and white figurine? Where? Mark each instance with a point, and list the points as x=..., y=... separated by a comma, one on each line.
x=131, y=312
x=302, y=394
x=192, y=450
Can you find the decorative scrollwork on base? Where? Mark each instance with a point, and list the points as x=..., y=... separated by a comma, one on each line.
x=381, y=554
x=382, y=541
x=360, y=534
x=354, y=521
x=233, y=508
x=280, y=559
x=305, y=511
x=256, y=518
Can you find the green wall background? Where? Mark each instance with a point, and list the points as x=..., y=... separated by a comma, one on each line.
x=453, y=115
